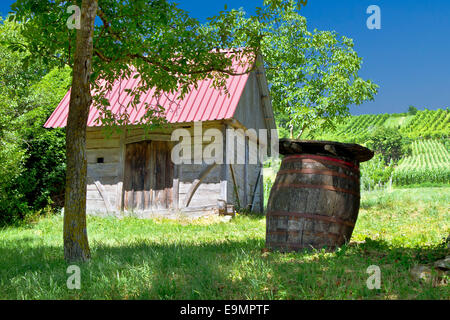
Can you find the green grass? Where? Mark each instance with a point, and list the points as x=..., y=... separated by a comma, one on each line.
x=143, y=259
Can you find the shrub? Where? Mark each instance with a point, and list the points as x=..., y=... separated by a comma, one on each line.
x=375, y=174
x=36, y=154
x=390, y=144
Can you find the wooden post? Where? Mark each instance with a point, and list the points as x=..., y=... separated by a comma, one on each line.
x=176, y=187
x=121, y=173
x=245, y=201
x=224, y=169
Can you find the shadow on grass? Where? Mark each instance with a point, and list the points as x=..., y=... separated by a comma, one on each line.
x=218, y=270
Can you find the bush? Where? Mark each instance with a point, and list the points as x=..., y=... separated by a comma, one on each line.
x=412, y=110
x=390, y=144
x=375, y=174
x=12, y=156
x=33, y=173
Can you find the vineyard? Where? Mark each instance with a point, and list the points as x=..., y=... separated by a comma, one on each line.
x=425, y=132
x=424, y=124
x=428, y=124
x=429, y=163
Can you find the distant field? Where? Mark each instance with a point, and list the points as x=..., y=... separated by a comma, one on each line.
x=399, y=121
x=424, y=124
x=429, y=163
x=209, y=259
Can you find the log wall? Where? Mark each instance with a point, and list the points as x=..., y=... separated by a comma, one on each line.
x=195, y=185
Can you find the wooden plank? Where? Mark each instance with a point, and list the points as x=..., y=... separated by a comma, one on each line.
x=96, y=205
x=261, y=191
x=127, y=183
x=138, y=174
x=104, y=169
x=110, y=189
x=100, y=134
x=169, y=173
x=190, y=176
x=246, y=195
x=101, y=190
x=110, y=155
x=255, y=190
x=197, y=183
x=236, y=190
x=148, y=176
x=224, y=169
x=205, y=197
x=152, y=137
x=121, y=172
x=102, y=143
x=176, y=193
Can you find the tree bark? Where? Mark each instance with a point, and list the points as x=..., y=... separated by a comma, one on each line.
x=76, y=246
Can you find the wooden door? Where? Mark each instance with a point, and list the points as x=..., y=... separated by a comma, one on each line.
x=148, y=179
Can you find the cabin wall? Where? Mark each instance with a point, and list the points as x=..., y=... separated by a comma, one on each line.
x=250, y=111
x=245, y=189
x=103, y=178
x=196, y=185
x=200, y=183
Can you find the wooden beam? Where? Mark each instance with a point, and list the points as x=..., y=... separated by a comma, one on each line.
x=246, y=195
x=266, y=102
x=101, y=190
x=236, y=190
x=236, y=124
x=120, y=177
x=224, y=168
x=256, y=188
x=197, y=183
x=176, y=187
x=154, y=137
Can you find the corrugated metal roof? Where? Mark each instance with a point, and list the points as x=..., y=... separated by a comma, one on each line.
x=201, y=104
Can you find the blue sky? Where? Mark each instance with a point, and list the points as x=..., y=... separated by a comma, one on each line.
x=409, y=58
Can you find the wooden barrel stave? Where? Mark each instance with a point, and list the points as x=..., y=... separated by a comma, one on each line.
x=314, y=203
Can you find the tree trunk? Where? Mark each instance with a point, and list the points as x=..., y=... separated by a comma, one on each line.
x=76, y=246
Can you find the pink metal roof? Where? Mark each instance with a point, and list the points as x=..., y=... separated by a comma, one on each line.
x=201, y=104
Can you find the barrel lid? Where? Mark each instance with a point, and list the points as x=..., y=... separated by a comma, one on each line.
x=349, y=151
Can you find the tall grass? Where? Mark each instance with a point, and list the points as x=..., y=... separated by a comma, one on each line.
x=209, y=259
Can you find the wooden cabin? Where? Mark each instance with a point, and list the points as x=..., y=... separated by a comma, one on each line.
x=132, y=173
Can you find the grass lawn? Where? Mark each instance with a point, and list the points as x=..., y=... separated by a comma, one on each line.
x=143, y=259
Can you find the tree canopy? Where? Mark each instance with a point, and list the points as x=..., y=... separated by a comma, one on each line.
x=313, y=76
x=169, y=50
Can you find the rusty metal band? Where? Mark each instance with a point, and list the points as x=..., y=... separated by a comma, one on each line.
x=332, y=161
x=319, y=172
x=311, y=217
x=291, y=245
x=318, y=234
x=313, y=186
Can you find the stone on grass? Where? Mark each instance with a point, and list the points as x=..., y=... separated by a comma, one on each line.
x=443, y=264
x=226, y=218
x=421, y=273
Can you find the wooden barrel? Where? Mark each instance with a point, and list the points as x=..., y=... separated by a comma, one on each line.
x=313, y=203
